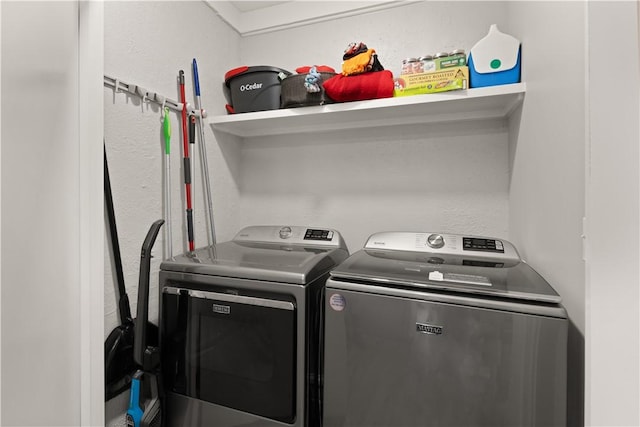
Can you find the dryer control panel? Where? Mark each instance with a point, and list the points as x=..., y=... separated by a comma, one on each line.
x=445, y=244
x=291, y=235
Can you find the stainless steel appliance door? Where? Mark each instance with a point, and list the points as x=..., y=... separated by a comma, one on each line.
x=397, y=361
x=231, y=350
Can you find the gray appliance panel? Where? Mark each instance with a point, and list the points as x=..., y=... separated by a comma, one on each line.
x=186, y=411
x=259, y=261
x=456, y=364
x=461, y=274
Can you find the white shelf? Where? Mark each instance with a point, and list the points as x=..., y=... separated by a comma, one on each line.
x=481, y=103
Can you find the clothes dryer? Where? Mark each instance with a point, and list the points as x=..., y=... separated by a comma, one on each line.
x=428, y=329
x=239, y=325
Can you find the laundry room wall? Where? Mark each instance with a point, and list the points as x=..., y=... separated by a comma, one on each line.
x=146, y=44
x=459, y=177
x=451, y=177
x=447, y=177
x=523, y=180
x=547, y=187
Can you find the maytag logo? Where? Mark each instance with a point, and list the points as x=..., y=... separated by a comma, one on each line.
x=221, y=309
x=428, y=329
x=250, y=86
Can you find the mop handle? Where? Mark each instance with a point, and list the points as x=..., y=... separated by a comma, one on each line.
x=166, y=127
x=186, y=165
x=203, y=157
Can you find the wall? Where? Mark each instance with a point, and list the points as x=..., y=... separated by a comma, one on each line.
x=393, y=179
x=613, y=215
x=146, y=44
x=269, y=181
x=450, y=177
x=548, y=162
x=41, y=345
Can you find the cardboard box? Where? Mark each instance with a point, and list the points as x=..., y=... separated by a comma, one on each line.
x=457, y=60
x=434, y=64
x=434, y=82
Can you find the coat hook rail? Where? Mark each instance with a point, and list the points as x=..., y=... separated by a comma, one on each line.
x=147, y=95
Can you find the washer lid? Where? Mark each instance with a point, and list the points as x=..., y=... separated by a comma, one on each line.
x=433, y=261
x=290, y=260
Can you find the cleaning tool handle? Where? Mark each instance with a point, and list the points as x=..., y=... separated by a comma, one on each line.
x=166, y=127
x=140, y=335
x=190, y=226
x=192, y=128
x=187, y=170
x=196, y=79
x=183, y=99
x=123, y=301
x=135, y=412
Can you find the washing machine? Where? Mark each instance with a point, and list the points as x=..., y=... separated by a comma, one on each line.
x=240, y=328
x=431, y=329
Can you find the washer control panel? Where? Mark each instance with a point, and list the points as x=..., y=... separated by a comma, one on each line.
x=318, y=234
x=311, y=236
x=482, y=244
x=446, y=244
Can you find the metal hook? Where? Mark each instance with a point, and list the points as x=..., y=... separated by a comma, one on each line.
x=162, y=108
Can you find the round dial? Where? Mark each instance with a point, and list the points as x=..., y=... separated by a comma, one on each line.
x=285, y=232
x=435, y=241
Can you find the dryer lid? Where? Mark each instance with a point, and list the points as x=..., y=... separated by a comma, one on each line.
x=447, y=262
x=297, y=255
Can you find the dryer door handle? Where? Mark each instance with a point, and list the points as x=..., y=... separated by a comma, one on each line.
x=239, y=299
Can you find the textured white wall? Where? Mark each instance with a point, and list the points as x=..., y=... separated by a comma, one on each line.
x=547, y=185
x=548, y=156
x=360, y=182
x=451, y=177
x=406, y=31
x=456, y=177
x=147, y=43
x=415, y=178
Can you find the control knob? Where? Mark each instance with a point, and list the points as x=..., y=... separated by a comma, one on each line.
x=435, y=241
x=285, y=232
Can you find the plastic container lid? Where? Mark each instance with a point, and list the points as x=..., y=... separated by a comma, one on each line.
x=256, y=69
x=495, y=52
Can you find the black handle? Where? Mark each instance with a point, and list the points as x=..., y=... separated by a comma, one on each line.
x=192, y=129
x=123, y=300
x=190, y=224
x=140, y=336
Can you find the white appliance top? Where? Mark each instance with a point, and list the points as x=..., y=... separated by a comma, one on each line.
x=448, y=262
x=444, y=244
x=291, y=235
